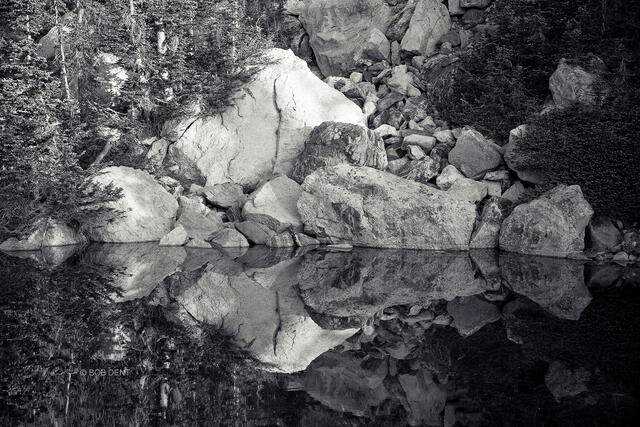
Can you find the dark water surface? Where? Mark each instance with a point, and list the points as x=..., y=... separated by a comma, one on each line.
x=143, y=335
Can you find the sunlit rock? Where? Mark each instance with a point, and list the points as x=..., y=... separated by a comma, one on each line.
x=556, y=285
x=145, y=211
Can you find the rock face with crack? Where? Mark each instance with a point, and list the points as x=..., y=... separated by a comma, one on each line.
x=263, y=132
x=372, y=208
x=343, y=33
x=430, y=21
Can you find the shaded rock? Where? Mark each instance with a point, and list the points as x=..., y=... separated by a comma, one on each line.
x=515, y=193
x=514, y=160
x=487, y=231
x=420, y=170
x=467, y=189
x=147, y=210
x=395, y=166
x=474, y=155
x=274, y=204
x=429, y=22
x=473, y=17
x=48, y=46
x=470, y=314
x=224, y=195
x=454, y=7
x=571, y=84
x=198, y=220
x=228, y=238
x=339, y=31
x=332, y=143
x=400, y=22
x=564, y=382
x=425, y=399
x=416, y=108
x=158, y=152
x=367, y=207
x=376, y=47
x=137, y=268
x=176, y=237
x=602, y=234
x=475, y=3
x=552, y=225
x=264, y=131
x=554, y=284
x=423, y=141
x=356, y=283
x=389, y=100
x=255, y=232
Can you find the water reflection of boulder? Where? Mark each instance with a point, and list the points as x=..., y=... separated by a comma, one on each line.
x=136, y=268
x=260, y=307
x=365, y=281
x=50, y=256
x=556, y=285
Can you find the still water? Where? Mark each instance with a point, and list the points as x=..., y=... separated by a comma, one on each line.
x=142, y=335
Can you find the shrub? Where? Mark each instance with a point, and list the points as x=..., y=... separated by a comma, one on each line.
x=597, y=148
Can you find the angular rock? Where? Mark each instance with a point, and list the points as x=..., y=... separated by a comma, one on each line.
x=377, y=46
x=474, y=155
x=385, y=131
x=423, y=141
x=198, y=244
x=256, y=233
x=515, y=193
x=282, y=240
x=389, y=100
x=224, y=195
x=429, y=22
x=467, y=189
x=564, y=382
x=367, y=207
x=454, y=8
x=228, y=238
x=448, y=176
x=148, y=210
x=602, y=234
x=400, y=23
x=274, y=204
x=420, y=170
x=176, y=237
x=332, y=143
x=481, y=4
x=487, y=231
x=416, y=108
x=552, y=225
x=158, y=152
x=198, y=220
x=302, y=240
x=340, y=29
x=425, y=399
x=401, y=81
x=470, y=314
x=414, y=152
x=571, y=84
x=264, y=131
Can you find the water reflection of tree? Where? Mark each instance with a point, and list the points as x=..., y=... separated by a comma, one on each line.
x=58, y=321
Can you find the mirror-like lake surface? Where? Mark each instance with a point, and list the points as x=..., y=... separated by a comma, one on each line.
x=148, y=335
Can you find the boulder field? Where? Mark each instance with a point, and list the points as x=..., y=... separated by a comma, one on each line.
x=354, y=159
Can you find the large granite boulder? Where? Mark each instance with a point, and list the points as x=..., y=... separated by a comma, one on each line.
x=145, y=211
x=264, y=131
x=333, y=143
x=552, y=225
x=274, y=205
x=474, y=155
x=368, y=207
x=430, y=21
x=341, y=32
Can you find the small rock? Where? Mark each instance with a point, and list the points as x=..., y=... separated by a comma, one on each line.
x=474, y=155
x=602, y=234
x=420, y=170
x=449, y=175
x=198, y=244
x=395, y=166
x=423, y=141
x=256, y=233
x=444, y=136
x=228, y=238
x=621, y=258
x=515, y=193
x=385, y=131
x=493, y=188
x=225, y=195
x=274, y=204
x=302, y=240
x=415, y=153
x=355, y=77
x=467, y=189
x=176, y=237
x=282, y=240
